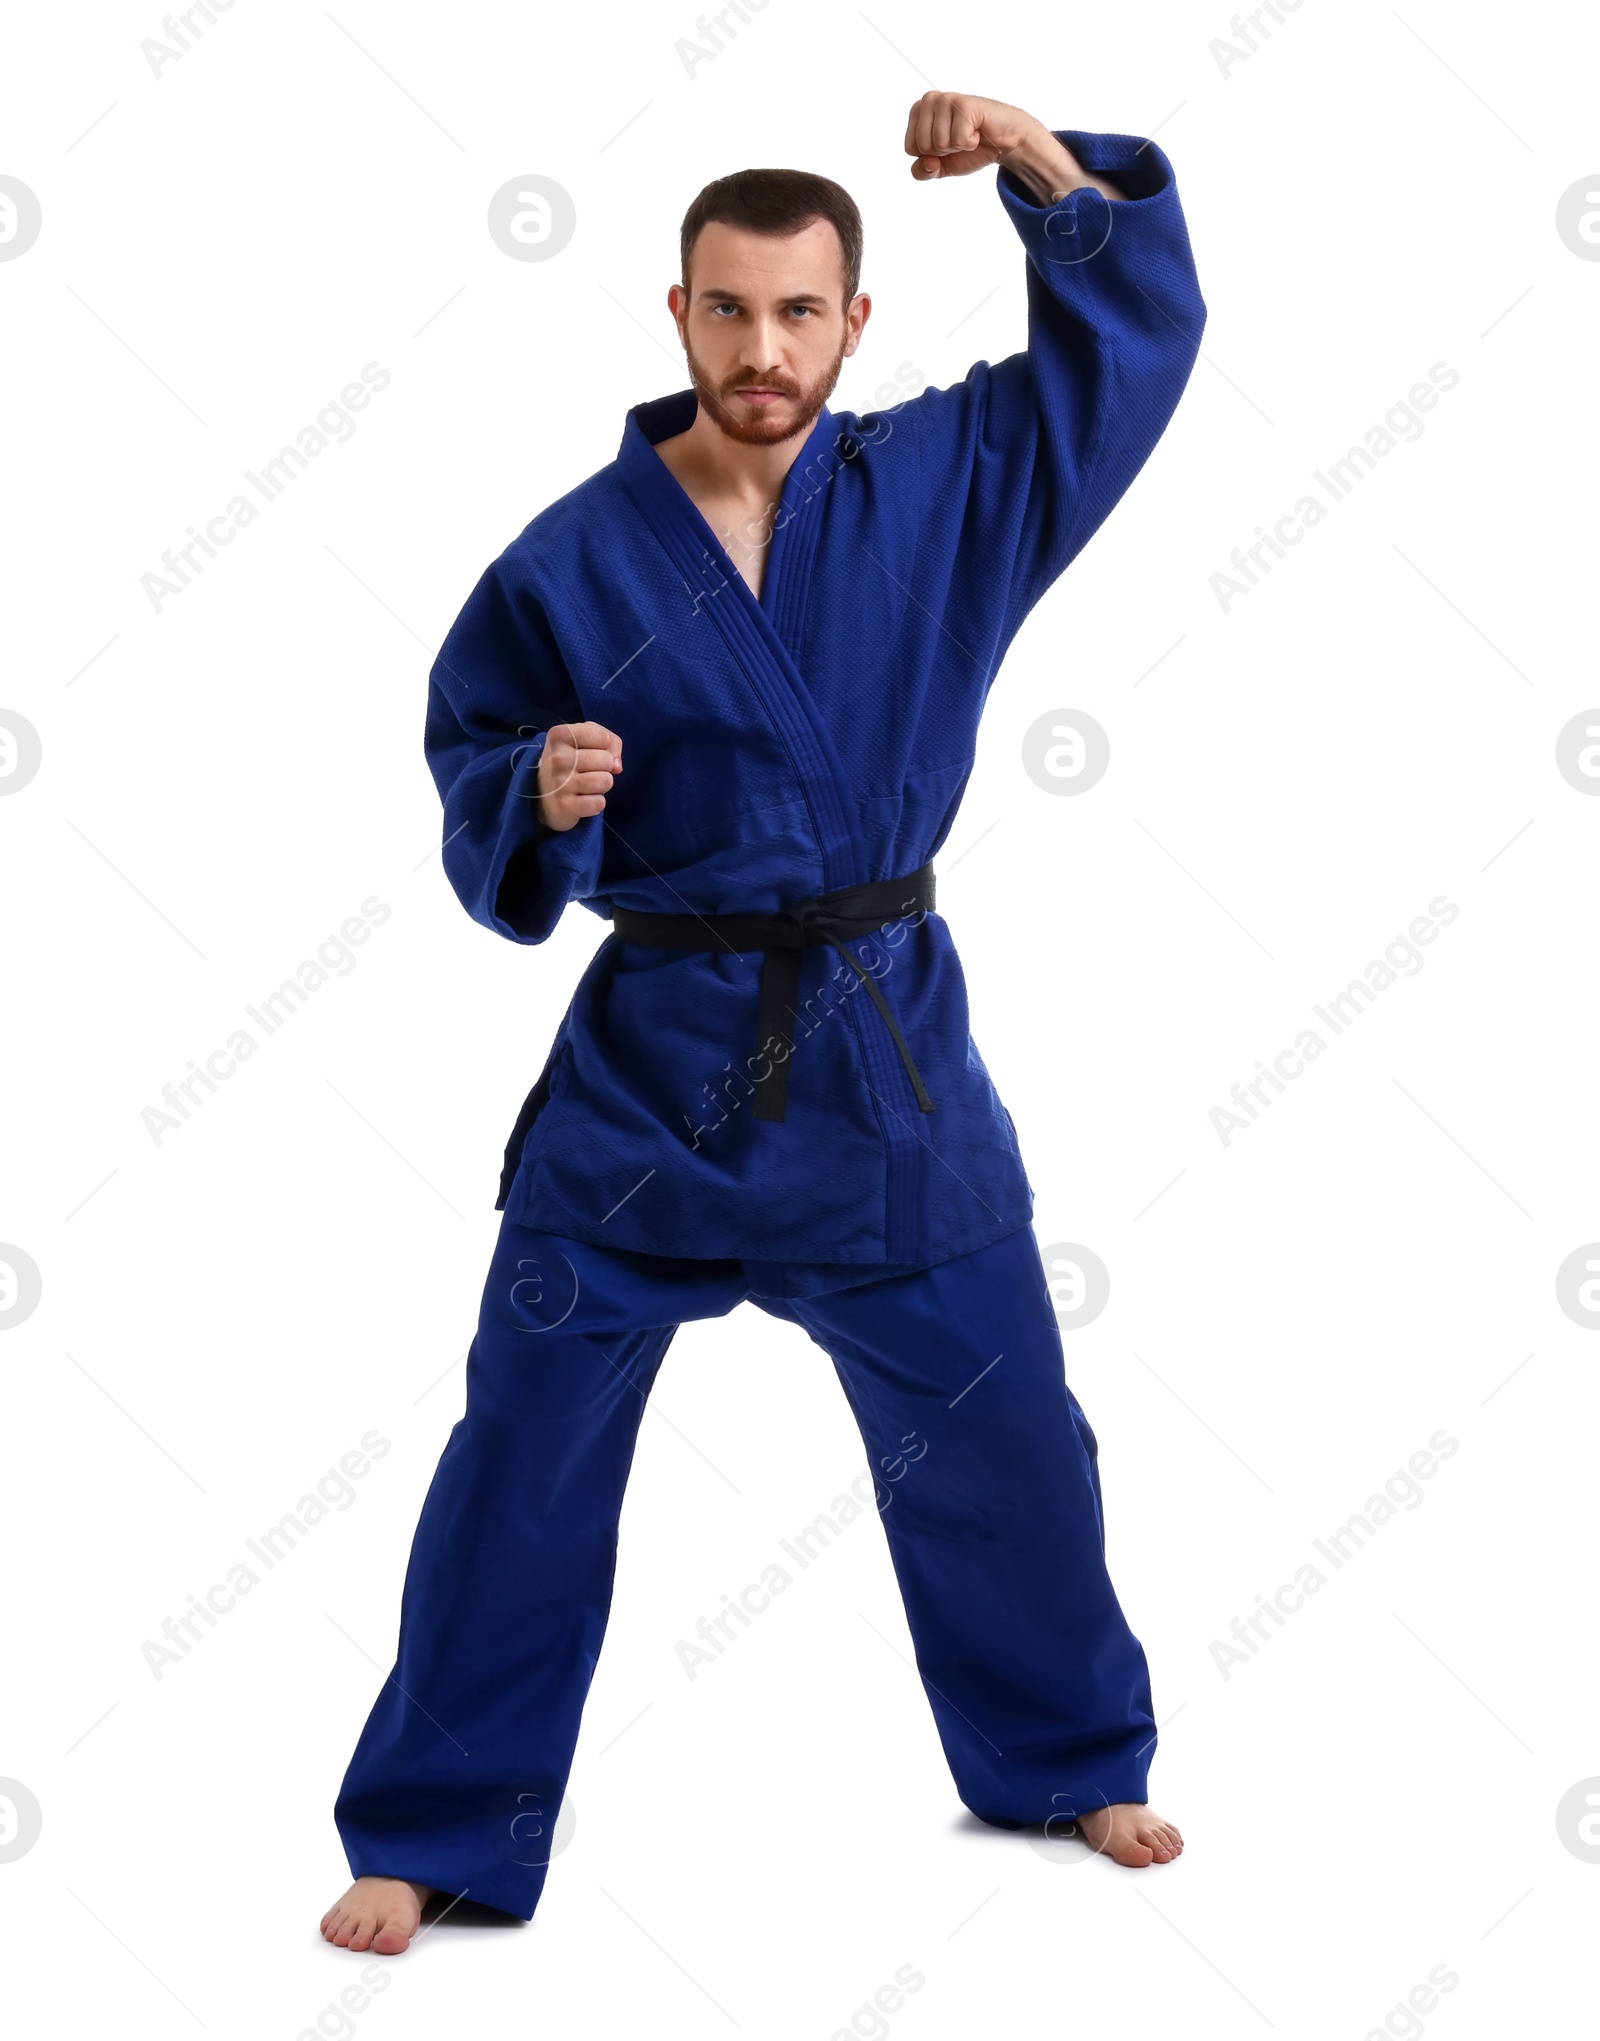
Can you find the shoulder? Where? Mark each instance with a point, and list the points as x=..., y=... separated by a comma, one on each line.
x=565, y=529
x=896, y=401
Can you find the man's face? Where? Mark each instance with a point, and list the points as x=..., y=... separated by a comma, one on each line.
x=765, y=328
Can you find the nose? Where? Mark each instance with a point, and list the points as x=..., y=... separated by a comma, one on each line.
x=763, y=348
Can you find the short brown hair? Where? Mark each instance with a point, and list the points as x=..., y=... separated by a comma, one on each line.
x=777, y=202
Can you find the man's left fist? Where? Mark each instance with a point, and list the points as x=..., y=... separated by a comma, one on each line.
x=951, y=134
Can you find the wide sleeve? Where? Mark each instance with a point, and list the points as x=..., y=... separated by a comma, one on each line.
x=1038, y=448
x=498, y=685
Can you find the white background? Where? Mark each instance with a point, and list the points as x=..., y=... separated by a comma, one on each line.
x=1291, y=1314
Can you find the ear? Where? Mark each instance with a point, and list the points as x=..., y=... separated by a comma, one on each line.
x=856, y=317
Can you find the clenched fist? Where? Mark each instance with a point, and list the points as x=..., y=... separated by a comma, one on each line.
x=576, y=770
x=951, y=134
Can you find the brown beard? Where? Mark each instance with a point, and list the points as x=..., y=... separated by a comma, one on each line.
x=757, y=430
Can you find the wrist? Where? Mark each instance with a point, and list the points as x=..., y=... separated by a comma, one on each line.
x=1047, y=169
x=1043, y=165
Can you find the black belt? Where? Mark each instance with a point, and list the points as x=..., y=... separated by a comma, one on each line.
x=828, y=918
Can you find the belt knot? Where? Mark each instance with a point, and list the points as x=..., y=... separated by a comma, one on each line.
x=834, y=919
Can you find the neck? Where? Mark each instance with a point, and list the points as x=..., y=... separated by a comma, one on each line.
x=728, y=467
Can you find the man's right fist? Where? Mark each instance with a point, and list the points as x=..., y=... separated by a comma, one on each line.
x=576, y=769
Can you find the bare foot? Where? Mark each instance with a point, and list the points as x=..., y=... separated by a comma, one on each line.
x=380, y=1914
x=1131, y=1833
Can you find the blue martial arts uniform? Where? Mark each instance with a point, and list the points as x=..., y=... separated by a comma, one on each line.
x=778, y=750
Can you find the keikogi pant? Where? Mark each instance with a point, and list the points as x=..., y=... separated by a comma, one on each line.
x=1038, y=1688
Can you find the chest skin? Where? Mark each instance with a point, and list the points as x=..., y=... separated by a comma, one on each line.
x=742, y=525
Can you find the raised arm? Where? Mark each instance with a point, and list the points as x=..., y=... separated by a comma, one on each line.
x=952, y=134
x=519, y=841
x=1041, y=445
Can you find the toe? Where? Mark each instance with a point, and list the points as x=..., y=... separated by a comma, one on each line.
x=391, y=1940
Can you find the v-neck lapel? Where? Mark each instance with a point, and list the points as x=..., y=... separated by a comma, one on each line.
x=749, y=626
x=666, y=417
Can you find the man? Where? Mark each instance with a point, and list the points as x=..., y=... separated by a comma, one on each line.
x=764, y=1088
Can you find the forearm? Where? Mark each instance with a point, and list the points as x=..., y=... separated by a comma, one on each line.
x=1048, y=170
